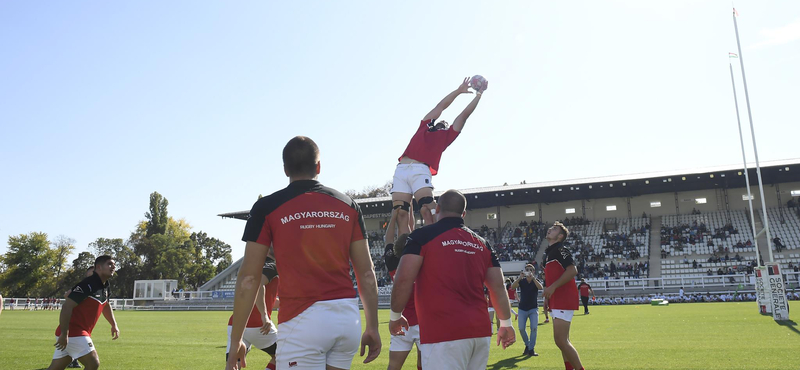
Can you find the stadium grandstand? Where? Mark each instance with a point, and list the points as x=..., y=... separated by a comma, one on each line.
x=631, y=235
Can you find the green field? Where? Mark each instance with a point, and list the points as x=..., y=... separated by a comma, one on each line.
x=681, y=336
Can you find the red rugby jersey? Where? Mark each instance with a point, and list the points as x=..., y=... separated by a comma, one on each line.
x=92, y=296
x=584, y=288
x=557, y=259
x=427, y=146
x=512, y=293
x=271, y=292
x=449, y=287
x=310, y=228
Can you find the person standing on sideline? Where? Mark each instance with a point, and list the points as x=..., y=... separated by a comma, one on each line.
x=528, y=307
x=450, y=265
x=420, y=161
x=84, y=305
x=316, y=233
x=561, y=293
x=585, y=289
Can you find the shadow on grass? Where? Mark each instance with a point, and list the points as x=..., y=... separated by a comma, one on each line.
x=509, y=363
x=790, y=324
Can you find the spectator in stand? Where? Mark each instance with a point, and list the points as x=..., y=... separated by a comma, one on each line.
x=778, y=245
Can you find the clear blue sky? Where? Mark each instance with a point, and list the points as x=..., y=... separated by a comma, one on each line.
x=102, y=103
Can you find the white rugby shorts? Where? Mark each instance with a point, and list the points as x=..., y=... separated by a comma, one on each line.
x=77, y=347
x=408, y=178
x=253, y=337
x=326, y=333
x=462, y=354
x=565, y=315
x=403, y=343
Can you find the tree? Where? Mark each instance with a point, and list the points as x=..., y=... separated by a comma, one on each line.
x=63, y=247
x=29, y=265
x=157, y=218
x=210, y=257
x=76, y=272
x=371, y=191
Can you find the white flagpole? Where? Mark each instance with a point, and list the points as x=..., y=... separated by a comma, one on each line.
x=755, y=148
x=744, y=160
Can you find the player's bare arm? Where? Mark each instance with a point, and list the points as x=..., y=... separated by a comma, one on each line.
x=368, y=292
x=108, y=313
x=391, y=229
x=404, y=278
x=461, y=120
x=569, y=275
x=247, y=284
x=499, y=296
x=261, y=305
x=63, y=323
x=439, y=108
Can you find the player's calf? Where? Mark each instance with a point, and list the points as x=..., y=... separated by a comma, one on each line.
x=426, y=207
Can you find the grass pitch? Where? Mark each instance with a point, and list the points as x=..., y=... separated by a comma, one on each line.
x=680, y=336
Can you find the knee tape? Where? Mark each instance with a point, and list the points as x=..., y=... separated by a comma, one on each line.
x=401, y=204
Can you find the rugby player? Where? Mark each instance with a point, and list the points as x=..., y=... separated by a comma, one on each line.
x=420, y=160
x=316, y=233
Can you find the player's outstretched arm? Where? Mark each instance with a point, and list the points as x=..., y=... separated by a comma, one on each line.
x=461, y=120
x=439, y=108
x=368, y=292
x=247, y=283
x=108, y=313
x=391, y=229
x=499, y=297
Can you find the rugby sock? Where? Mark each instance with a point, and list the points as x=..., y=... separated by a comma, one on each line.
x=270, y=367
x=568, y=366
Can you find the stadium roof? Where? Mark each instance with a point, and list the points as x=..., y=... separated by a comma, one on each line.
x=717, y=177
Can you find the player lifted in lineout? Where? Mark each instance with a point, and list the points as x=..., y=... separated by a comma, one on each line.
x=420, y=160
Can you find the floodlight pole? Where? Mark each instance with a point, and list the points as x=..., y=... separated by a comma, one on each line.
x=744, y=161
x=765, y=218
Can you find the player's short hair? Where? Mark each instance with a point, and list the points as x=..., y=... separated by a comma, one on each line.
x=564, y=231
x=531, y=266
x=400, y=244
x=91, y=268
x=102, y=259
x=300, y=157
x=453, y=201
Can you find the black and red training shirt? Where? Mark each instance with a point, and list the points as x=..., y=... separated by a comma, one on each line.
x=310, y=227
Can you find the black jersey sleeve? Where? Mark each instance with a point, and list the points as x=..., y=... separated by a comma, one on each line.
x=564, y=257
x=81, y=291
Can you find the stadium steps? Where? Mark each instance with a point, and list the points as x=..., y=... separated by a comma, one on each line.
x=655, y=247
